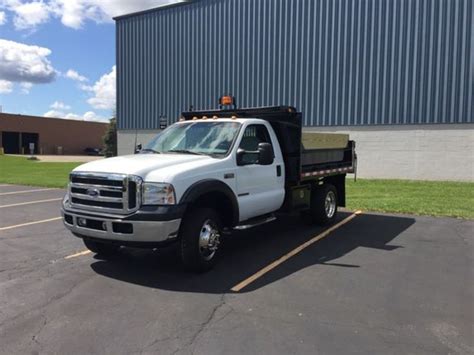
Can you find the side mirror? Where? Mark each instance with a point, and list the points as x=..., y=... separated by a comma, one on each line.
x=138, y=148
x=265, y=154
x=240, y=157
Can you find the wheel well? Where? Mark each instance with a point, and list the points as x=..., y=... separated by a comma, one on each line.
x=219, y=202
x=339, y=182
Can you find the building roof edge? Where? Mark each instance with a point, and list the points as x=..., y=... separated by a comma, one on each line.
x=154, y=9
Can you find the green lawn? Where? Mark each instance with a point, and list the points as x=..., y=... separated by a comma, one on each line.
x=452, y=199
x=412, y=197
x=20, y=171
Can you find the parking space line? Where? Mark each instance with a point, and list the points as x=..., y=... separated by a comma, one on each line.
x=292, y=253
x=82, y=253
x=30, y=223
x=31, y=202
x=24, y=191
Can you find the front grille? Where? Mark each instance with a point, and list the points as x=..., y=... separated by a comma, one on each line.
x=96, y=181
x=79, y=201
x=112, y=193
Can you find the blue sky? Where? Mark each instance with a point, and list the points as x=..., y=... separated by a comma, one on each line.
x=57, y=57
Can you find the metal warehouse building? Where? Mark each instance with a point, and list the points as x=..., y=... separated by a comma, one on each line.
x=398, y=75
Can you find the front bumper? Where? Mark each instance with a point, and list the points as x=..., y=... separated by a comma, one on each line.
x=142, y=227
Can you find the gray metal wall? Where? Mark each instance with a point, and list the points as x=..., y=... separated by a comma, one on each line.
x=342, y=62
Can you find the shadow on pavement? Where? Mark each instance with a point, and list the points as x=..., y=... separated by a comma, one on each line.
x=245, y=253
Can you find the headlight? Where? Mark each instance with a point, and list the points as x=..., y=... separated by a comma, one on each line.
x=158, y=194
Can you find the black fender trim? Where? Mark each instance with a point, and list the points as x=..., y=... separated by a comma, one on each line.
x=203, y=187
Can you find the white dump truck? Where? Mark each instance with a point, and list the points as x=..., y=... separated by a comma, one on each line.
x=202, y=177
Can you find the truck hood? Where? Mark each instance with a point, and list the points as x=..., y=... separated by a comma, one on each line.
x=142, y=164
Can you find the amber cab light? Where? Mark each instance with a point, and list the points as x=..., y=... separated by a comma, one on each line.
x=226, y=100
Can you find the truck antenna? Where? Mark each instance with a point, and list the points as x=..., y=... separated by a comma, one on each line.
x=136, y=138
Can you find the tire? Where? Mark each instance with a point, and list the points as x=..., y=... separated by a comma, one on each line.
x=323, y=210
x=101, y=249
x=200, y=236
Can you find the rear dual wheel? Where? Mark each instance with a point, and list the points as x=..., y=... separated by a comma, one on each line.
x=323, y=208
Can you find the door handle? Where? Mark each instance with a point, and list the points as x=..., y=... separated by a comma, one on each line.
x=278, y=170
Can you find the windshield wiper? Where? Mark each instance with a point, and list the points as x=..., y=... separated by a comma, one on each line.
x=148, y=150
x=184, y=151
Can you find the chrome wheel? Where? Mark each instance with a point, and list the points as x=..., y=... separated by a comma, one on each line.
x=209, y=240
x=330, y=204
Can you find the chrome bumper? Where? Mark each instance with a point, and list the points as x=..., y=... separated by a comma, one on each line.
x=118, y=230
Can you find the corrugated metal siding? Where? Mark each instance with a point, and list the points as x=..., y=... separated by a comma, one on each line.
x=342, y=62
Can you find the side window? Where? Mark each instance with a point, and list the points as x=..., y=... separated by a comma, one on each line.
x=253, y=136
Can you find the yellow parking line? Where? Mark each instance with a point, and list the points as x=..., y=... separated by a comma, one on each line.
x=24, y=191
x=85, y=252
x=30, y=223
x=292, y=253
x=31, y=202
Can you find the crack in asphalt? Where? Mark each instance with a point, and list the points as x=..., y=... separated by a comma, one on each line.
x=202, y=327
x=196, y=334
x=34, y=338
x=151, y=345
x=207, y=322
x=45, y=304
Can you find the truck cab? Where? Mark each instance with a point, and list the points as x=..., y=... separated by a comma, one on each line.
x=205, y=175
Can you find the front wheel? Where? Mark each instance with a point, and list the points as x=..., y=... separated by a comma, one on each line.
x=200, y=238
x=323, y=208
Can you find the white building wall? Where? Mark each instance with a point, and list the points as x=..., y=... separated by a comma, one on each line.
x=428, y=152
x=126, y=140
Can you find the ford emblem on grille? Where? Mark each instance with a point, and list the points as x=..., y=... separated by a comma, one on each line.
x=93, y=192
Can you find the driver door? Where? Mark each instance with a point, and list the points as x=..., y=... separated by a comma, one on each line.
x=260, y=188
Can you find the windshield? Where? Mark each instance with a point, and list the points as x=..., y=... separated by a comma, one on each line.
x=208, y=138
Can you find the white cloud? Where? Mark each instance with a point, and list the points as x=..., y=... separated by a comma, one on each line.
x=88, y=116
x=70, y=12
x=26, y=87
x=58, y=105
x=3, y=18
x=6, y=87
x=74, y=75
x=54, y=114
x=28, y=15
x=73, y=13
x=24, y=63
x=103, y=91
x=92, y=116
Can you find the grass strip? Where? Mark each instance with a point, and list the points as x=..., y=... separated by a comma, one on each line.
x=431, y=198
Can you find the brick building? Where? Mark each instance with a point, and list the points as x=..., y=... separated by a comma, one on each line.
x=49, y=135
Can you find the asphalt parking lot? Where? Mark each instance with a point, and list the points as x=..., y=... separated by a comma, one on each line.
x=377, y=284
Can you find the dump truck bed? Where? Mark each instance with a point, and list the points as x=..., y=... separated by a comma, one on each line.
x=326, y=162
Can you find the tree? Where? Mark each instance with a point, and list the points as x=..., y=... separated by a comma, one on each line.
x=110, y=139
